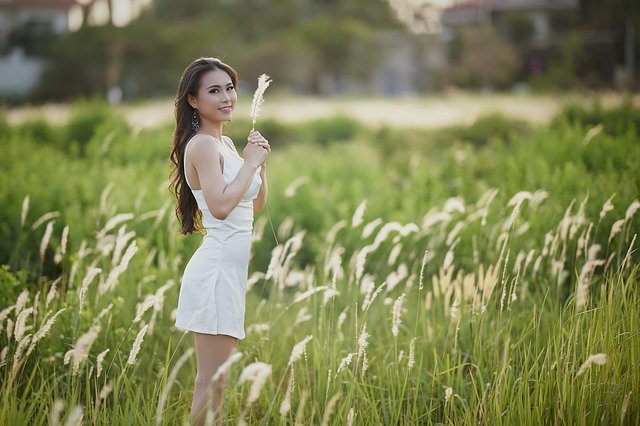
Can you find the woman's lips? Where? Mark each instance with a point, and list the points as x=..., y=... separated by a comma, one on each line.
x=226, y=109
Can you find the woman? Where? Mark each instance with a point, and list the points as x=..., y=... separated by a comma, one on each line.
x=217, y=190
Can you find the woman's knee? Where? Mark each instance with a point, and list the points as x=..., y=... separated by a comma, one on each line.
x=204, y=381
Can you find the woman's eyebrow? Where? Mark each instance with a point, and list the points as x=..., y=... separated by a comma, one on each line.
x=217, y=85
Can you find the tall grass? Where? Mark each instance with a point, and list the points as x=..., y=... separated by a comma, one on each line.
x=413, y=283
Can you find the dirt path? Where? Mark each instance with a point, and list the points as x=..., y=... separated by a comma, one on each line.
x=429, y=112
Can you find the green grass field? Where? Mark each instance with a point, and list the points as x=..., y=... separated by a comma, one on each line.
x=481, y=274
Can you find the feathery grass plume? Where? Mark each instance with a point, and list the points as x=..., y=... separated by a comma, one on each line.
x=346, y=362
x=625, y=406
x=300, y=410
x=170, y=381
x=42, y=219
x=24, y=210
x=592, y=133
x=5, y=312
x=599, y=359
x=370, y=227
x=351, y=417
x=584, y=281
x=303, y=315
x=104, y=393
x=424, y=262
x=616, y=228
x=309, y=293
x=285, y=406
x=100, y=360
x=329, y=294
x=90, y=275
x=3, y=356
x=394, y=253
x=56, y=410
x=258, y=373
x=293, y=186
x=136, y=345
x=607, y=207
x=397, y=315
x=63, y=245
x=412, y=351
x=114, y=275
x=80, y=351
x=298, y=349
x=363, y=341
x=43, y=331
x=112, y=223
x=17, y=356
x=75, y=418
x=144, y=306
x=226, y=366
x=45, y=238
x=631, y=210
x=328, y=410
x=52, y=293
x=356, y=220
x=258, y=98
x=448, y=393
x=122, y=238
x=9, y=328
x=625, y=262
x=20, y=327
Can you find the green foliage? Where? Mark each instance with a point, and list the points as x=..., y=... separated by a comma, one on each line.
x=87, y=116
x=492, y=337
x=487, y=128
x=39, y=130
x=621, y=120
x=333, y=129
x=564, y=70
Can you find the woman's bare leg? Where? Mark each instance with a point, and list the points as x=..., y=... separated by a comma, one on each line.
x=211, y=351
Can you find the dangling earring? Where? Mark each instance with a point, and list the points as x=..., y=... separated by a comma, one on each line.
x=195, y=124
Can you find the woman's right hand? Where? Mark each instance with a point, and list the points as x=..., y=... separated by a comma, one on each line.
x=254, y=154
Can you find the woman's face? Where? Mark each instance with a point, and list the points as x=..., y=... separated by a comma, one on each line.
x=216, y=97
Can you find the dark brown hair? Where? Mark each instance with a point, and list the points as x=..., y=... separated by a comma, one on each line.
x=187, y=212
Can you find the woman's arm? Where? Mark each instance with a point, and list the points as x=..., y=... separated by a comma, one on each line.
x=261, y=200
x=221, y=199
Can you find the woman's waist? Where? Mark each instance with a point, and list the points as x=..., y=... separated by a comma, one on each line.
x=240, y=218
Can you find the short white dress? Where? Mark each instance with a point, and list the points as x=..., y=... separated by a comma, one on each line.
x=213, y=288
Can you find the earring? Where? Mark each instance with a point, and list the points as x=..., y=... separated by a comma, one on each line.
x=195, y=125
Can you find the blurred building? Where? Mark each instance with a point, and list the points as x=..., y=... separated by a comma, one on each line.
x=28, y=27
x=541, y=31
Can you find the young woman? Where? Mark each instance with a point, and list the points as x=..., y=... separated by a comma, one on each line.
x=218, y=190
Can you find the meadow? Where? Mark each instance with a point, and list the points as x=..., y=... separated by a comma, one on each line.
x=484, y=273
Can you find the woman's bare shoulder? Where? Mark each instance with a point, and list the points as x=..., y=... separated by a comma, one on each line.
x=203, y=145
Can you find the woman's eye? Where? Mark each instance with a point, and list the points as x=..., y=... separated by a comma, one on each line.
x=213, y=91
x=230, y=88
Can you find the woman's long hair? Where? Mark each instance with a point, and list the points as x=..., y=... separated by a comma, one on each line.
x=187, y=212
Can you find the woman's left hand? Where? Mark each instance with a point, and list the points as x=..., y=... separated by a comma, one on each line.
x=256, y=137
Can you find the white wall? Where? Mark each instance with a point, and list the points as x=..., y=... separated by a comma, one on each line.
x=18, y=73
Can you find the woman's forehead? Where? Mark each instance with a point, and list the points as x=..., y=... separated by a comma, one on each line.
x=215, y=77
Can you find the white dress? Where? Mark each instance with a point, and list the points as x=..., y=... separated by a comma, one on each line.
x=213, y=288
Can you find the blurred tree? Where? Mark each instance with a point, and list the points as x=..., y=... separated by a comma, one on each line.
x=485, y=60
x=299, y=42
x=76, y=64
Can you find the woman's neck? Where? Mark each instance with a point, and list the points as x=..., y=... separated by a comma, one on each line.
x=213, y=129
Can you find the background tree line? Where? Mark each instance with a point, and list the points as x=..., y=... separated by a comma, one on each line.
x=303, y=42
